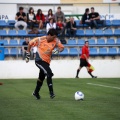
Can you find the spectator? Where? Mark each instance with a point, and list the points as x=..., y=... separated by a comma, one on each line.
x=49, y=15
x=40, y=18
x=51, y=24
x=21, y=19
x=60, y=28
x=24, y=47
x=95, y=19
x=71, y=28
x=31, y=19
x=59, y=15
x=86, y=18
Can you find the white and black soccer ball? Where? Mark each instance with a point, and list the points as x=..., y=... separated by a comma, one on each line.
x=79, y=95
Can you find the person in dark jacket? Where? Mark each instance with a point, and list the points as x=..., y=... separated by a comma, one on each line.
x=71, y=28
x=31, y=19
x=86, y=18
x=95, y=19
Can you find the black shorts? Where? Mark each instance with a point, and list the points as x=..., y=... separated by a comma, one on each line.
x=83, y=63
x=44, y=67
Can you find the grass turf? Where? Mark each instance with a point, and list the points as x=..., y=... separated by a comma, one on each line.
x=100, y=103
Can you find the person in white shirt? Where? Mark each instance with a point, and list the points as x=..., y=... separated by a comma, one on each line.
x=51, y=24
x=31, y=19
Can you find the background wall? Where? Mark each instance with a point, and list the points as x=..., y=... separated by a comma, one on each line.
x=30, y=1
x=8, y=11
x=60, y=68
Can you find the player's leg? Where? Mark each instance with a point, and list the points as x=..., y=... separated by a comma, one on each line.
x=39, y=84
x=49, y=83
x=80, y=67
x=49, y=79
x=89, y=72
x=48, y=72
x=78, y=70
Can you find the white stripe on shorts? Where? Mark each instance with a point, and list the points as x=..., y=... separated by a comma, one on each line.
x=41, y=68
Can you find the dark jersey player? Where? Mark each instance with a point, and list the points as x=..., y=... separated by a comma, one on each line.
x=84, y=60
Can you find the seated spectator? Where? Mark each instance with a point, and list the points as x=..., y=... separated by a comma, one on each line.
x=21, y=19
x=86, y=18
x=60, y=28
x=71, y=28
x=24, y=47
x=40, y=18
x=50, y=24
x=59, y=15
x=49, y=15
x=95, y=19
x=31, y=19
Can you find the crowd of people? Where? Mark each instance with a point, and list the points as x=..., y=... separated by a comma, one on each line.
x=92, y=19
x=56, y=21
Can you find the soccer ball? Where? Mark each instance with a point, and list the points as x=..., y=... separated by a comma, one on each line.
x=79, y=95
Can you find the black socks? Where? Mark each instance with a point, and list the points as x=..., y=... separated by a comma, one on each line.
x=90, y=74
x=38, y=86
x=77, y=72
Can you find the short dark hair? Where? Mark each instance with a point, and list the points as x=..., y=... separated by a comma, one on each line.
x=86, y=10
x=21, y=8
x=52, y=32
x=86, y=41
x=59, y=7
x=92, y=8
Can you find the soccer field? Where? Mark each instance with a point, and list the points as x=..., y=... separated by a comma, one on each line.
x=102, y=100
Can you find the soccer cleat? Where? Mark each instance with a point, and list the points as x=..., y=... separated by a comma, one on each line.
x=52, y=95
x=36, y=95
x=94, y=77
x=76, y=77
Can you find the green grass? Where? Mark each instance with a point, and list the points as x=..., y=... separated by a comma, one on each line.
x=100, y=103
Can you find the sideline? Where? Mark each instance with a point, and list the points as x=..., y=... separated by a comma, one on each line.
x=103, y=85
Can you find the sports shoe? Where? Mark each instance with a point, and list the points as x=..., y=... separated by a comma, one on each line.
x=76, y=77
x=52, y=95
x=94, y=77
x=36, y=95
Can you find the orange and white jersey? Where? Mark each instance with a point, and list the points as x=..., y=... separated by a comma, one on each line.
x=45, y=48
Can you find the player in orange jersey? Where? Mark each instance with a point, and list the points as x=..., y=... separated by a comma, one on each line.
x=45, y=48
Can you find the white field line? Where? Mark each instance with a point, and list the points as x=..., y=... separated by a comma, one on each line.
x=103, y=85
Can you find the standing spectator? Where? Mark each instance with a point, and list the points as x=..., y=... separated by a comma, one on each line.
x=21, y=19
x=49, y=15
x=59, y=15
x=71, y=28
x=31, y=19
x=86, y=18
x=40, y=18
x=24, y=47
x=50, y=24
x=95, y=19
